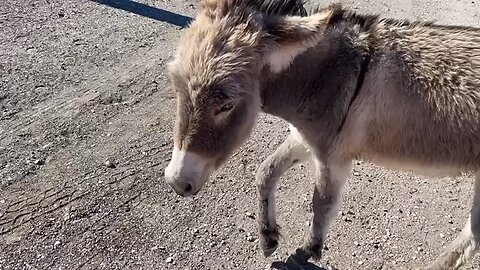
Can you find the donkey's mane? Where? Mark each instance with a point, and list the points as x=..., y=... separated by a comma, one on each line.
x=297, y=7
x=340, y=14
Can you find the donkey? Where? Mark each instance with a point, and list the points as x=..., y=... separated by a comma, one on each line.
x=402, y=94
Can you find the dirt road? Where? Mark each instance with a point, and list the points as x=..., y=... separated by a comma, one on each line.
x=85, y=133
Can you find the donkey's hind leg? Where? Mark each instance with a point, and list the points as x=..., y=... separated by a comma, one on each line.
x=290, y=152
x=462, y=249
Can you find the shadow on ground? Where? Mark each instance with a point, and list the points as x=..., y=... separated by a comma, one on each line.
x=148, y=11
x=288, y=265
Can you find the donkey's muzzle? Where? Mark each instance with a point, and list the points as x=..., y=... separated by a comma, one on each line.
x=187, y=172
x=182, y=188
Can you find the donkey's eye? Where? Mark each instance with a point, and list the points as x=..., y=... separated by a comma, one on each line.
x=224, y=108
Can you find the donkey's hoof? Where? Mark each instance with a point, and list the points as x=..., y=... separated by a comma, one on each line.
x=299, y=258
x=314, y=250
x=268, y=241
x=269, y=252
x=268, y=245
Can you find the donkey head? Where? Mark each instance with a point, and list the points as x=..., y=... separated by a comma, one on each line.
x=216, y=73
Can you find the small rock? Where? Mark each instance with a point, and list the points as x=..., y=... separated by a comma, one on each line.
x=356, y=243
x=346, y=219
x=356, y=173
x=250, y=215
x=56, y=243
x=39, y=162
x=109, y=164
x=360, y=262
x=169, y=260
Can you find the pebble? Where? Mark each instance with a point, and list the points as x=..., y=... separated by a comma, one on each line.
x=356, y=173
x=250, y=237
x=109, y=164
x=39, y=162
x=169, y=260
x=250, y=215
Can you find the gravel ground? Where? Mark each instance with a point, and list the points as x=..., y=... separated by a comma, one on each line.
x=85, y=133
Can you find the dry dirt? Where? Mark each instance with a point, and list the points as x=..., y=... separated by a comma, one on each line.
x=83, y=83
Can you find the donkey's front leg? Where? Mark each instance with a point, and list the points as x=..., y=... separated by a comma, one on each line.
x=290, y=152
x=331, y=177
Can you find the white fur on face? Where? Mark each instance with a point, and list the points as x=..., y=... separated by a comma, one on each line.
x=187, y=167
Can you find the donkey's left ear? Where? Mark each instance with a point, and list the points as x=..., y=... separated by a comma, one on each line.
x=287, y=37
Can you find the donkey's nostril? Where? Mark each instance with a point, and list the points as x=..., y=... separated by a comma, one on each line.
x=188, y=188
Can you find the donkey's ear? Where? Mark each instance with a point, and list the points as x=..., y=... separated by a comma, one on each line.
x=216, y=9
x=287, y=37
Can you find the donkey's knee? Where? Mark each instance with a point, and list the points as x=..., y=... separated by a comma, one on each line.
x=266, y=177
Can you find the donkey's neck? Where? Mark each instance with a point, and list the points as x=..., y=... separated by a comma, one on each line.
x=316, y=90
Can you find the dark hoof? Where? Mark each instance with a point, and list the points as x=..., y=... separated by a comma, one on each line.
x=268, y=241
x=314, y=250
x=267, y=252
x=300, y=257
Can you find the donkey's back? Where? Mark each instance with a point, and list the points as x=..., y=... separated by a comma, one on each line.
x=420, y=104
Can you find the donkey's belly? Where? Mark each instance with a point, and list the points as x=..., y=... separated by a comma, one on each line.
x=429, y=157
x=420, y=168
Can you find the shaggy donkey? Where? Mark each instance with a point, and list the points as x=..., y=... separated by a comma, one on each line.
x=402, y=94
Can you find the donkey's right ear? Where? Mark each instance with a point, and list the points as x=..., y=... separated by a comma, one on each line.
x=287, y=37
